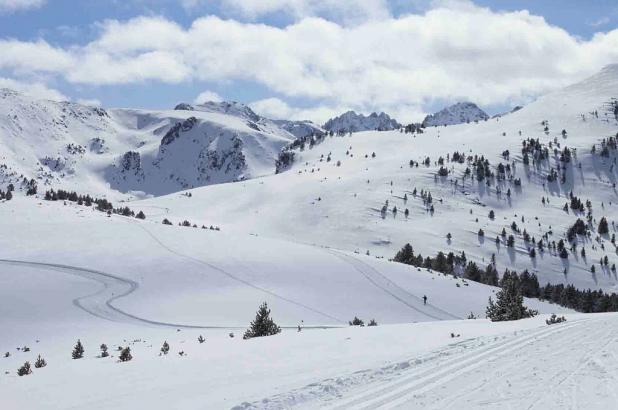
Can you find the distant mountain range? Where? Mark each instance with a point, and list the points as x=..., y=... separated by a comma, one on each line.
x=353, y=122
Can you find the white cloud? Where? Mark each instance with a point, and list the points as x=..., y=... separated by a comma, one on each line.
x=36, y=56
x=34, y=89
x=9, y=6
x=207, y=96
x=273, y=108
x=91, y=102
x=453, y=51
x=278, y=109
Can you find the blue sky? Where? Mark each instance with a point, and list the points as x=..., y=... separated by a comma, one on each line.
x=76, y=34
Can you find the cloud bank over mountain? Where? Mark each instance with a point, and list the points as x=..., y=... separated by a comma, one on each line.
x=453, y=51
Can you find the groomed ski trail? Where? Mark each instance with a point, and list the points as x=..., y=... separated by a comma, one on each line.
x=100, y=303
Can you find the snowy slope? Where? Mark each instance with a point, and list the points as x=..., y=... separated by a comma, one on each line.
x=58, y=283
x=322, y=286
x=320, y=202
x=114, y=151
x=353, y=122
x=459, y=113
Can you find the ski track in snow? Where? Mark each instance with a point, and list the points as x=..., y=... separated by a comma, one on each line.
x=99, y=304
x=475, y=370
x=390, y=287
x=236, y=278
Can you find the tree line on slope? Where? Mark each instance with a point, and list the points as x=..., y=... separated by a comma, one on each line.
x=587, y=301
x=101, y=204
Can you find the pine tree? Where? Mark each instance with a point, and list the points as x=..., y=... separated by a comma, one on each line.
x=356, y=322
x=509, y=302
x=510, y=241
x=104, y=350
x=24, y=370
x=165, y=348
x=78, y=350
x=40, y=362
x=603, y=228
x=262, y=325
x=405, y=255
x=125, y=354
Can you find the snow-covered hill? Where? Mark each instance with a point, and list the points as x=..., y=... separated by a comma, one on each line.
x=459, y=113
x=335, y=192
x=353, y=122
x=68, y=272
x=89, y=149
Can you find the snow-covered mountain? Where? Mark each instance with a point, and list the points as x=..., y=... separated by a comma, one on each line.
x=91, y=149
x=459, y=113
x=528, y=191
x=353, y=122
x=335, y=192
x=300, y=129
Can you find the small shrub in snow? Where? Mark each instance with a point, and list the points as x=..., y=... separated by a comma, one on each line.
x=165, y=348
x=7, y=354
x=372, y=322
x=471, y=316
x=201, y=339
x=555, y=319
x=140, y=215
x=40, y=362
x=166, y=222
x=356, y=322
x=78, y=350
x=262, y=325
x=104, y=350
x=24, y=370
x=125, y=355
